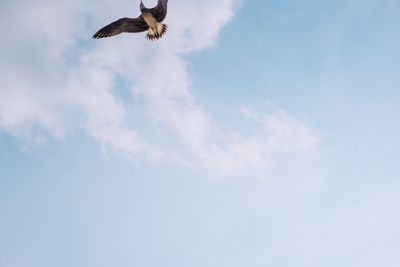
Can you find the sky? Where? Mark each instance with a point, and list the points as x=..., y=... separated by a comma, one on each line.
x=255, y=133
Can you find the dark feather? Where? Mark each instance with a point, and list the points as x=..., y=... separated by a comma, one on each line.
x=160, y=11
x=122, y=25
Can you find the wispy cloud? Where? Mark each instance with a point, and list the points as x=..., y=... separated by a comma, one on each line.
x=58, y=80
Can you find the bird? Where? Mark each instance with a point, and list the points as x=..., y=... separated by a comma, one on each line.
x=150, y=20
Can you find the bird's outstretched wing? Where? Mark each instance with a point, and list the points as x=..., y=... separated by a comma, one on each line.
x=122, y=25
x=159, y=12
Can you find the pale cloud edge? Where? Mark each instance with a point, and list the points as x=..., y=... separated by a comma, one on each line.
x=55, y=82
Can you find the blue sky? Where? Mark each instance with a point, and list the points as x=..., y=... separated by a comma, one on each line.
x=257, y=133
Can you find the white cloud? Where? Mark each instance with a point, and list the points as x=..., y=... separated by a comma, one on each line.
x=52, y=81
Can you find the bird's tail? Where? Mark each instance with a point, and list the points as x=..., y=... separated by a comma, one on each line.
x=157, y=33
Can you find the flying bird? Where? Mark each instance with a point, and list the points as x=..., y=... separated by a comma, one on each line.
x=150, y=20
